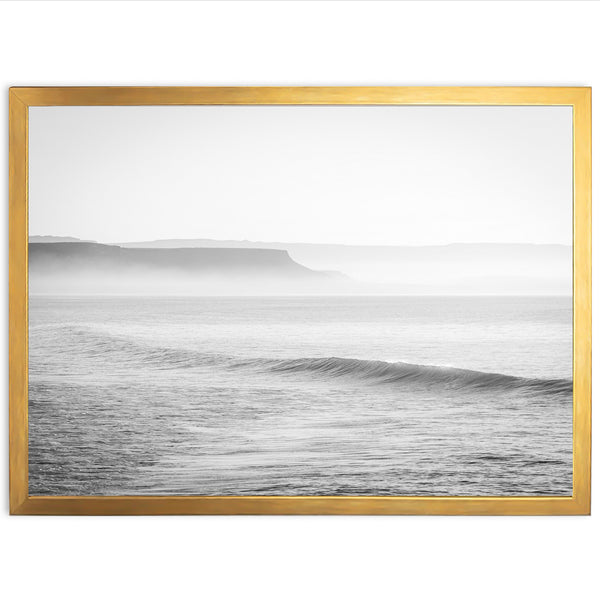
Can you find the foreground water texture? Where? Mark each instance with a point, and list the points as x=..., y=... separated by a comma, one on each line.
x=300, y=396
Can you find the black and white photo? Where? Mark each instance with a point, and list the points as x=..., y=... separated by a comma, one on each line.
x=300, y=300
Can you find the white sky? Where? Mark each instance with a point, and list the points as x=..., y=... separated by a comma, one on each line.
x=335, y=174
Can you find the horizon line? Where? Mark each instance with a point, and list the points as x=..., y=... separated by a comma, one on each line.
x=361, y=245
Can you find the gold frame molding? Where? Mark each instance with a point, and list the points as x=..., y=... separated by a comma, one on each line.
x=21, y=98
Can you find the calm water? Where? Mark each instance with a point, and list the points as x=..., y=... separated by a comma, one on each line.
x=300, y=396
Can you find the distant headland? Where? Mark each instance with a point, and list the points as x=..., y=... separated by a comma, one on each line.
x=207, y=266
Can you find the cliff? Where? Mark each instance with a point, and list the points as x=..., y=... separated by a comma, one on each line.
x=89, y=267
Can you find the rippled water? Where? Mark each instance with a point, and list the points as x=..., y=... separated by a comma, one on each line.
x=300, y=396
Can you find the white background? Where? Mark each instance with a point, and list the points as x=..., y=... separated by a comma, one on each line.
x=318, y=43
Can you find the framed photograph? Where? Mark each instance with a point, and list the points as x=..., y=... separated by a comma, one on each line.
x=355, y=300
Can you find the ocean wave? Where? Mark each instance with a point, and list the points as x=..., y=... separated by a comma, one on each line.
x=382, y=372
x=94, y=342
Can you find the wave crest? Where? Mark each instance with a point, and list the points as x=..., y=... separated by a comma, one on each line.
x=382, y=372
x=99, y=343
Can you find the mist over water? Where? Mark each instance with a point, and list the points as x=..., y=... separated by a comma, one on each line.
x=212, y=267
x=300, y=395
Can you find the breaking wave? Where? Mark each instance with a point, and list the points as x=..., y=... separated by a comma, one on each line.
x=382, y=372
x=123, y=350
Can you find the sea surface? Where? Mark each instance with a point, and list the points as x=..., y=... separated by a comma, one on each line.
x=300, y=396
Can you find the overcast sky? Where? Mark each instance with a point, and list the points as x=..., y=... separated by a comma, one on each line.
x=337, y=174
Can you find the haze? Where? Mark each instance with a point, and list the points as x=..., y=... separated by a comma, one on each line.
x=375, y=175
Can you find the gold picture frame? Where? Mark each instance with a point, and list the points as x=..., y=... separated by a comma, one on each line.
x=21, y=98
